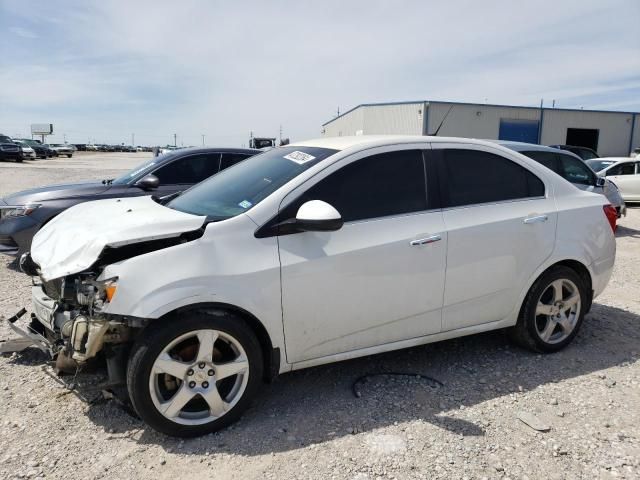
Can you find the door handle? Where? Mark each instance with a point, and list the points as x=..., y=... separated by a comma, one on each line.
x=426, y=240
x=536, y=219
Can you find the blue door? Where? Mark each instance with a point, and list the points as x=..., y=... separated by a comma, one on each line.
x=519, y=130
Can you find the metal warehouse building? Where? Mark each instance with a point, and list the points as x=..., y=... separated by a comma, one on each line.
x=609, y=133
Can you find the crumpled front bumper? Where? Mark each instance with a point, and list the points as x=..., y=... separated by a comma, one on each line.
x=35, y=338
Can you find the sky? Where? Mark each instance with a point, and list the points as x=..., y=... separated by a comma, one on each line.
x=101, y=71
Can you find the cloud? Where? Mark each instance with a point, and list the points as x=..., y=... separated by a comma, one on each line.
x=23, y=32
x=226, y=68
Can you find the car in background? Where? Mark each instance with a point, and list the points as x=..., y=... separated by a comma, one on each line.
x=27, y=151
x=9, y=150
x=42, y=150
x=92, y=148
x=167, y=149
x=623, y=171
x=584, y=153
x=62, y=149
x=318, y=252
x=572, y=168
x=22, y=214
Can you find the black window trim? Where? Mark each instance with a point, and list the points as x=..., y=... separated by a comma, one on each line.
x=439, y=160
x=178, y=158
x=270, y=227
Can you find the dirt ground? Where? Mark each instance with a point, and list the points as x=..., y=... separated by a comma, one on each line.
x=309, y=424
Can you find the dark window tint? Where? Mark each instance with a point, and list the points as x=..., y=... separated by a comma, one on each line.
x=548, y=159
x=188, y=170
x=377, y=186
x=229, y=159
x=622, y=169
x=470, y=177
x=576, y=171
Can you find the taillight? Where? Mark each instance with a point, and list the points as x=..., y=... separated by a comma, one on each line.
x=612, y=215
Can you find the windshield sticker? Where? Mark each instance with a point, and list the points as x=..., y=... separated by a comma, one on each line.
x=245, y=204
x=299, y=157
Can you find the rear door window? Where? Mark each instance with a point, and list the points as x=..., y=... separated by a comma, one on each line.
x=230, y=159
x=548, y=159
x=470, y=177
x=188, y=170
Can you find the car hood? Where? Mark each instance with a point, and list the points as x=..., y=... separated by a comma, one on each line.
x=73, y=241
x=56, y=192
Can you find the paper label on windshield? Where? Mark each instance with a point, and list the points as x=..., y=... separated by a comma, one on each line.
x=245, y=204
x=299, y=157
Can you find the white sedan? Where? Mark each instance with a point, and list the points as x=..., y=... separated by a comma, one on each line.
x=624, y=172
x=314, y=253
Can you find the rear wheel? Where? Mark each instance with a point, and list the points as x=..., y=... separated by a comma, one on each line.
x=194, y=375
x=552, y=311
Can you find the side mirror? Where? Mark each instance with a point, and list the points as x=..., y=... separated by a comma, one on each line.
x=148, y=182
x=318, y=216
x=600, y=181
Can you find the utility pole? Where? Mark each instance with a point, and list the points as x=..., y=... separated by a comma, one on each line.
x=281, y=134
x=203, y=139
x=64, y=137
x=175, y=140
x=133, y=139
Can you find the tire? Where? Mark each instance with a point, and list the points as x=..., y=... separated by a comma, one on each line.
x=153, y=391
x=535, y=329
x=18, y=160
x=68, y=156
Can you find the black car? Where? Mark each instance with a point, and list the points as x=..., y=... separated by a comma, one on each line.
x=584, y=153
x=9, y=150
x=22, y=214
x=42, y=150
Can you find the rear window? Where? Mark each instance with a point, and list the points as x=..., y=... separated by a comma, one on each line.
x=597, y=165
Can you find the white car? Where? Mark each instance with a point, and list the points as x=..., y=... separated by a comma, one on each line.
x=63, y=149
x=27, y=151
x=314, y=253
x=624, y=172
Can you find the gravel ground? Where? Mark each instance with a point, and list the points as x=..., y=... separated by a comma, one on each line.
x=309, y=424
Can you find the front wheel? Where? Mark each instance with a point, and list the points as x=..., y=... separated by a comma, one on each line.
x=552, y=311
x=195, y=374
x=68, y=156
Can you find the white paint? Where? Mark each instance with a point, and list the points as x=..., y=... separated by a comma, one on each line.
x=361, y=290
x=72, y=241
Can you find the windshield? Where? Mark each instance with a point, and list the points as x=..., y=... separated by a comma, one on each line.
x=597, y=165
x=5, y=139
x=236, y=189
x=141, y=169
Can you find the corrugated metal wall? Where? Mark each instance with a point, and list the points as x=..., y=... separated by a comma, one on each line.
x=348, y=124
x=483, y=122
x=615, y=129
x=400, y=119
x=474, y=121
x=635, y=143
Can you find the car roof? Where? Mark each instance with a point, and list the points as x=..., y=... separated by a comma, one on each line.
x=180, y=151
x=523, y=146
x=368, y=141
x=615, y=159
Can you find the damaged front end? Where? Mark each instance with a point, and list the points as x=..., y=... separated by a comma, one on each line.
x=69, y=324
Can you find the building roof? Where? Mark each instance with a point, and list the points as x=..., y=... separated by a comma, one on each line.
x=435, y=102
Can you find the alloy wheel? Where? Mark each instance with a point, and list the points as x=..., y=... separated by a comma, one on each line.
x=199, y=377
x=558, y=311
